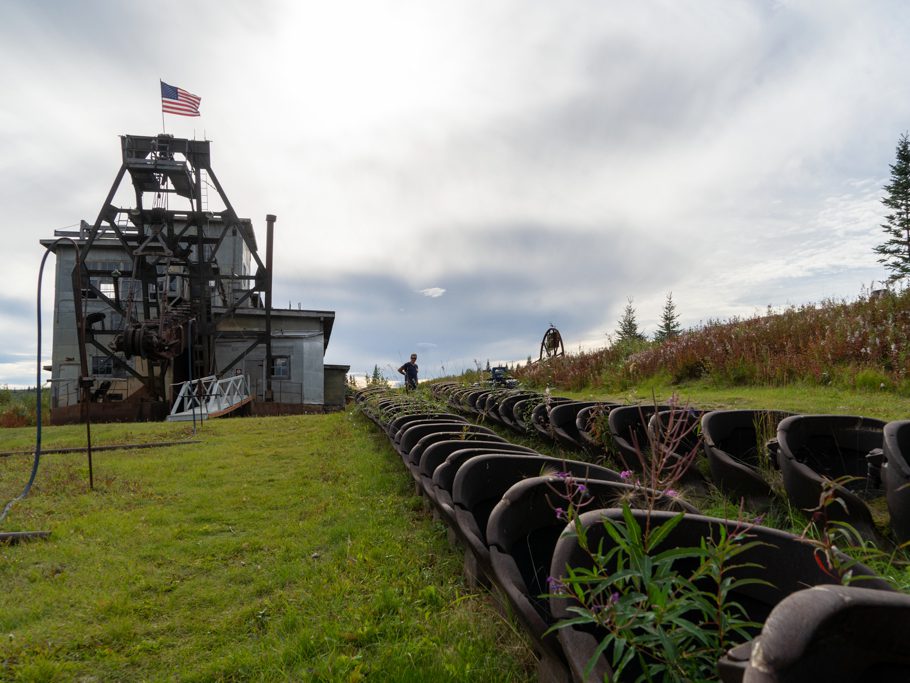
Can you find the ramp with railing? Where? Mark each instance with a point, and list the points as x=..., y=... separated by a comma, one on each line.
x=208, y=397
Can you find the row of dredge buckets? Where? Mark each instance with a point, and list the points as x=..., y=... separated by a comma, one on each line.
x=496, y=502
x=153, y=294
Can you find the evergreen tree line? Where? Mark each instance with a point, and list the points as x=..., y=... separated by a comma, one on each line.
x=627, y=327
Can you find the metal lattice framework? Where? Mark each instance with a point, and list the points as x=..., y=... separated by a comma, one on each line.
x=171, y=297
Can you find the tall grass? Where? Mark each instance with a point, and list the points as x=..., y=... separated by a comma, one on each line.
x=861, y=344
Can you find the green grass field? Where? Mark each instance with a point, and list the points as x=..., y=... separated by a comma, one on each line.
x=274, y=549
x=279, y=549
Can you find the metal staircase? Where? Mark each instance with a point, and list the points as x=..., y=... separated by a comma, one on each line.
x=201, y=399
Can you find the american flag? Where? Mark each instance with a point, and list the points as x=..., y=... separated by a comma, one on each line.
x=178, y=101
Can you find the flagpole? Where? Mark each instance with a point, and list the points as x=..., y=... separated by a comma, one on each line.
x=162, y=108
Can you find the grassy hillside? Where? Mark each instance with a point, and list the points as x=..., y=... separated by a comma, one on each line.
x=285, y=548
x=797, y=398
x=860, y=345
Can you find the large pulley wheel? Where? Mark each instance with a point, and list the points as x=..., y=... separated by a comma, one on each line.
x=551, y=345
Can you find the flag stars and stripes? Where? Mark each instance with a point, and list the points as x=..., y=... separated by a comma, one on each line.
x=176, y=100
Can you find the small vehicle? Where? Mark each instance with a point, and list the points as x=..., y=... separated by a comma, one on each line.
x=499, y=377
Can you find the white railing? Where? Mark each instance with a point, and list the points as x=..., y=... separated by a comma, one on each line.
x=209, y=396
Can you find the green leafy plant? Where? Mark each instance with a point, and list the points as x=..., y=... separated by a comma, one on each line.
x=838, y=546
x=599, y=427
x=662, y=612
x=665, y=613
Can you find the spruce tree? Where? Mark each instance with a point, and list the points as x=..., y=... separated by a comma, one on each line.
x=628, y=327
x=894, y=252
x=669, y=321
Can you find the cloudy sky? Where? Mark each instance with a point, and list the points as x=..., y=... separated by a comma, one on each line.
x=453, y=176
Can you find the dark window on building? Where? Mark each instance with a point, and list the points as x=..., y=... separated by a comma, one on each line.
x=102, y=365
x=101, y=275
x=281, y=367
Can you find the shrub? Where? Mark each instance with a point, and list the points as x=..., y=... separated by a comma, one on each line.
x=869, y=379
x=666, y=622
x=17, y=407
x=16, y=415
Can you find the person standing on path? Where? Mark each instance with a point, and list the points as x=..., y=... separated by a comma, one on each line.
x=409, y=370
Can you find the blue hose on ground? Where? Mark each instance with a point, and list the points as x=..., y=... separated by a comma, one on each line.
x=37, y=460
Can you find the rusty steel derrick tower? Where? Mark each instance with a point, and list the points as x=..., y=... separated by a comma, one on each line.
x=168, y=302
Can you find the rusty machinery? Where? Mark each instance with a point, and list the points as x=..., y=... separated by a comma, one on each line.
x=551, y=345
x=172, y=295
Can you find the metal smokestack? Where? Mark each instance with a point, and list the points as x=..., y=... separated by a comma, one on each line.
x=269, y=238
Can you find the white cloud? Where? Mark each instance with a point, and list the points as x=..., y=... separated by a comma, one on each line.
x=433, y=292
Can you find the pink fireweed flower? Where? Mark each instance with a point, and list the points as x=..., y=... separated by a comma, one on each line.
x=625, y=474
x=671, y=492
